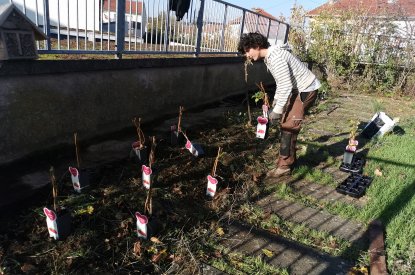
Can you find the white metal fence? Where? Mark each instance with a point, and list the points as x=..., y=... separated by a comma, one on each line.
x=146, y=26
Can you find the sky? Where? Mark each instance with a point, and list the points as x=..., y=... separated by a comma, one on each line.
x=277, y=7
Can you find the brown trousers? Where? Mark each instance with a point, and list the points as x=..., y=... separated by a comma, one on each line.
x=290, y=126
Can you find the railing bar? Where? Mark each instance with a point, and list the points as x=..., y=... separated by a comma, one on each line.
x=129, y=25
x=68, y=29
x=77, y=25
x=24, y=7
x=101, y=21
x=37, y=22
x=109, y=24
x=161, y=27
x=59, y=26
x=86, y=24
x=93, y=26
x=135, y=25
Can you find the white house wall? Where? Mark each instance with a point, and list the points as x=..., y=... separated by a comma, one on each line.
x=85, y=16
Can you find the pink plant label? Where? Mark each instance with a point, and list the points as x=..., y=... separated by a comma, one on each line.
x=51, y=223
x=261, y=128
x=189, y=146
x=146, y=176
x=265, y=110
x=352, y=146
x=211, y=186
x=75, y=179
x=142, y=221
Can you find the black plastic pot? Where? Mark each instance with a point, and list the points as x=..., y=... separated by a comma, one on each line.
x=373, y=127
x=64, y=222
x=356, y=165
x=139, y=154
x=176, y=137
x=355, y=185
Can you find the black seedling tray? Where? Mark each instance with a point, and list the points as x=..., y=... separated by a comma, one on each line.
x=355, y=167
x=355, y=185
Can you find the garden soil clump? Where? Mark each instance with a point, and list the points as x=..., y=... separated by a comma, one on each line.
x=184, y=221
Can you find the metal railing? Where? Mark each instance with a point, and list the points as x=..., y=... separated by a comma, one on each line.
x=145, y=26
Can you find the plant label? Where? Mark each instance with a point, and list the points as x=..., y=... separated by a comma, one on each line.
x=261, y=128
x=51, y=223
x=192, y=149
x=211, y=186
x=146, y=176
x=75, y=179
x=352, y=146
x=142, y=221
x=265, y=110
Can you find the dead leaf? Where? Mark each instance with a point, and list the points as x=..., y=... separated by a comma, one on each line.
x=220, y=231
x=28, y=268
x=156, y=258
x=275, y=230
x=267, y=252
x=137, y=248
x=217, y=254
x=358, y=271
x=155, y=240
x=378, y=172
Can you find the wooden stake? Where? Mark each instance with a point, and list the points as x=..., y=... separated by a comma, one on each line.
x=248, y=62
x=179, y=124
x=148, y=205
x=77, y=151
x=215, y=164
x=140, y=134
x=152, y=156
x=54, y=187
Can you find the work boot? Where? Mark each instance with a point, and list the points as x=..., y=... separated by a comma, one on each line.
x=278, y=172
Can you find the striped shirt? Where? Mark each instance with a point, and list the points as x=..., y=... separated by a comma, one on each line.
x=289, y=73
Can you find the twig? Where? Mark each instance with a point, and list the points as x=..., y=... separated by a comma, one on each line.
x=140, y=134
x=77, y=151
x=215, y=165
x=179, y=123
x=152, y=156
x=54, y=187
x=148, y=205
x=332, y=109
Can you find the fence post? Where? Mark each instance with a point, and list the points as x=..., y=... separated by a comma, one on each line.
x=120, y=28
x=287, y=30
x=46, y=20
x=200, y=27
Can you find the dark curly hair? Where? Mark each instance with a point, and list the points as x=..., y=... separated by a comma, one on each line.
x=252, y=40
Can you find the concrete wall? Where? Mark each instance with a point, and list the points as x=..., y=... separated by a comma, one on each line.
x=42, y=103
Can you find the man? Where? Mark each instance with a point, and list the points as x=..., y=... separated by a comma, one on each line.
x=296, y=91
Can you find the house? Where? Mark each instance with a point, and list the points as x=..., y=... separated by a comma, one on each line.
x=402, y=12
x=135, y=17
x=275, y=30
x=17, y=34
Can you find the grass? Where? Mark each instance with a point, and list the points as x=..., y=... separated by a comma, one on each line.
x=391, y=163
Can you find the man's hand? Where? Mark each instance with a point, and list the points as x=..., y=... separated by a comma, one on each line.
x=274, y=118
x=274, y=102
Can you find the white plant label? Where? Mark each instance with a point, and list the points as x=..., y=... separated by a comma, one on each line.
x=189, y=146
x=51, y=223
x=146, y=176
x=75, y=179
x=142, y=221
x=261, y=128
x=211, y=186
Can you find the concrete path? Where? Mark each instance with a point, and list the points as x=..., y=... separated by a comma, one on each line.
x=313, y=218
x=298, y=259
